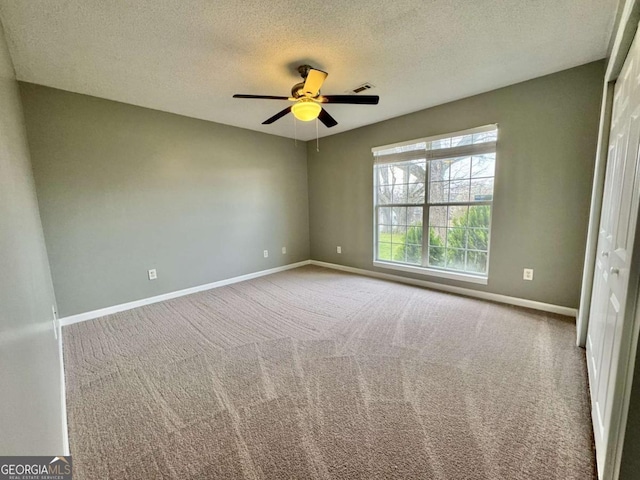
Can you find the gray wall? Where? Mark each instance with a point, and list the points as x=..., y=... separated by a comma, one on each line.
x=545, y=159
x=124, y=189
x=31, y=413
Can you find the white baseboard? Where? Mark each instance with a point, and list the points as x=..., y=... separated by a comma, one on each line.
x=494, y=297
x=81, y=317
x=520, y=302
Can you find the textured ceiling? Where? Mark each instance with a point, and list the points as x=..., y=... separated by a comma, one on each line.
x=190, y=56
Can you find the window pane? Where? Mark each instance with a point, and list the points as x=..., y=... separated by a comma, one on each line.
x=399, y=234
x=414, y=254
x=392, y=179
x=417, y=171
x=401, y=183
x=482, y=190
x=415, y=193
x=478, y=239
x=383, y=174
x=436, y=257
x=413, y=239
x=455, y=258
x=457, y=237
x=477, y=262
x=480, y=216
x=483, y=165
x=439, y=192
x=458, y=216
x=438, y=216
x=399, y=216
x=414, y=216
x=408, y=254
x=384, y=194
x=459, y=191
x=399, y=194
x=460, y=168
x=398, y=252
x=437, y=236
x=385, y=216
x=398, y=173
x=384, y=251
x=414, y=235
x=439, y=170
x=384, y=233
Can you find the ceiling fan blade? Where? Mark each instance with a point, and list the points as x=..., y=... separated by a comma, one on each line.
x=327, y=119
x=315, y=79
x=351, y=99
x=267, y=97
x=277, y=116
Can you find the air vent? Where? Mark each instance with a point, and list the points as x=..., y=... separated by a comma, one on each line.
x=362, y=88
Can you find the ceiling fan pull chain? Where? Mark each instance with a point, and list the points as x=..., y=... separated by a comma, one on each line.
x=295, y=132
x=317, y=137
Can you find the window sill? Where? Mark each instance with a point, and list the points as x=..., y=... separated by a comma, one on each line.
x=431, y=272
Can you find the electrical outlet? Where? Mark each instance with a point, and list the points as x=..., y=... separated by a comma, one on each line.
x=266, y=254
x=339, y=249
x=527, y=274
x=284, y=250
x=153, y=274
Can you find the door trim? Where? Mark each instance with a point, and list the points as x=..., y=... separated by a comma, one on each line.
x=622, y=37
x=597, y=192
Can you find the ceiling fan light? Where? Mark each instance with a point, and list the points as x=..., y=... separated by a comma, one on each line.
x=306, y=110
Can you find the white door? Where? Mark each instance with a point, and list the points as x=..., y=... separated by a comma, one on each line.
x=605, y=336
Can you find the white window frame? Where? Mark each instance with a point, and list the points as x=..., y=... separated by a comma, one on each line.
x=482, y=279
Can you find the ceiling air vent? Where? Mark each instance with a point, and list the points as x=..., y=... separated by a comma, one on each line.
x=362, y=88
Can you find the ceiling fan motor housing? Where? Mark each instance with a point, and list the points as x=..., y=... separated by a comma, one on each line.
x=297, y=90
x=304, y=70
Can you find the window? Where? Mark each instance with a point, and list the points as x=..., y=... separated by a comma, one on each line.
x=433, y=199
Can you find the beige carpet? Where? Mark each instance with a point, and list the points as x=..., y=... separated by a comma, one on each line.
x=317, y=374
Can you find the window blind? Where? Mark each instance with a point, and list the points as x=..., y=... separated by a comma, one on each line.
x=476, y=141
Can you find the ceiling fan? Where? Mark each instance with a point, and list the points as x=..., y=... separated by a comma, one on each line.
x=307, y=99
